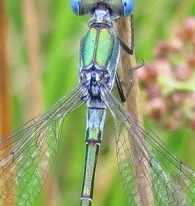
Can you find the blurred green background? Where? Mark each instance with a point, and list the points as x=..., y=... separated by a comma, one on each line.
x=59, y=35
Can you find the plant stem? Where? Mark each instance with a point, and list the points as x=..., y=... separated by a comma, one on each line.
x=127, y=61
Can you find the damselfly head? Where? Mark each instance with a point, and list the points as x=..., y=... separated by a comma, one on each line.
x=117, y=7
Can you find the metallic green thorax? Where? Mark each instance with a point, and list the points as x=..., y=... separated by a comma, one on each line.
x=96, y=48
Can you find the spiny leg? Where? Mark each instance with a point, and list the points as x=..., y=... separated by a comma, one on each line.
x=129, y=50
x=126, y=48
x=131, y=78
x=124, y=95
x=120, y=89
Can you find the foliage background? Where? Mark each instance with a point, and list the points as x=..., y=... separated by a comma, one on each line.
x=60, y=32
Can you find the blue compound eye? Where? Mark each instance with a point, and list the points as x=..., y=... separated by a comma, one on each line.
x=128, y=6
x=75, y=6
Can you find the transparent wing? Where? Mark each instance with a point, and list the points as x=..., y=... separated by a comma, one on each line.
x=27, y=154
x=146, y=165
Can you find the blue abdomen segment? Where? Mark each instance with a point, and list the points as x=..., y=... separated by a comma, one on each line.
x=118, y=7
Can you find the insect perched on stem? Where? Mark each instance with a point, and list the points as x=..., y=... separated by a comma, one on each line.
x=34, y=145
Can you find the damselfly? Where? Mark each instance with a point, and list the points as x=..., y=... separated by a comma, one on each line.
x=34, y=145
